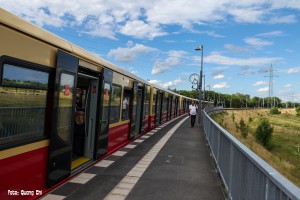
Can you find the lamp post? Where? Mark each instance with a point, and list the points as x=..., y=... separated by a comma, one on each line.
x=200, y=48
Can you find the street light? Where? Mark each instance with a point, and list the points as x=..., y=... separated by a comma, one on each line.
x=200, y=48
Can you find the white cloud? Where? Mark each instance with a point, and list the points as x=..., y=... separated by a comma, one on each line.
x=140, y=29
x=211, y=33
x=130, y=53
x=157, y=82
x=255, y=61
x=220, y=76
x=257, y=42
x=237, y=49
x=260, y=83
x=264, y=89
x=221, y=85
x=132, y=70
x=289, y=19
x=170, y=84
x=293, y=70
x=243, y=15
x=173, y=60
x=147, y=19
x=270, y=34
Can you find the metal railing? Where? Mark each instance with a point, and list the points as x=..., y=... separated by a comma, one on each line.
x=245, y=175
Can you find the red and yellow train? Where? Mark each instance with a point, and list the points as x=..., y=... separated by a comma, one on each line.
x=62, y=108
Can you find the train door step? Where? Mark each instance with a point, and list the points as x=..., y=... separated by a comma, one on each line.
x=78, y=162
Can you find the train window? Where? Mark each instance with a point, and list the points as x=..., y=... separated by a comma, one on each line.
x=165, y=104
x=115, y=104
x=23, y=97
x=147, y=100
x=153, y=103
x=23, y=77
x=125, y=104
x=173, y=103
x=106, y=99
x=65, y=106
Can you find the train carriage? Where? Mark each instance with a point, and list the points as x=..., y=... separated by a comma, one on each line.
x=63, y=108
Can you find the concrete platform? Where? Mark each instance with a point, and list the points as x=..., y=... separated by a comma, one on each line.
x=170, y=162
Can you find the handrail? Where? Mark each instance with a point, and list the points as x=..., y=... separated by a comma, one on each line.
x=245, y=175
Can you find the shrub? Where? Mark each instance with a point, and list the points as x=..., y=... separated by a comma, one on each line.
x=243, y=128
x=274, y=111
x=237, y=127
x=250, y=119
x=298, y=111
x=233, y=116
x=263, y=133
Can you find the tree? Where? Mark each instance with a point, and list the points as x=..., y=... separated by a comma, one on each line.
x=274, y=111
x=263, y=133
x=244, y=128
x=298, y=111
x=233, y=116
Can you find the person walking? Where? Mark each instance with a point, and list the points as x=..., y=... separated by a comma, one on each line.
x=193, y=112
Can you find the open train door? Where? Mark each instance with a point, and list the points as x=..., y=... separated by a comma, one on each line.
x=133, y=111
x=60, y=148
x=103, y=123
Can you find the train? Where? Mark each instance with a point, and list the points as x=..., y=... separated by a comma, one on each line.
x=62, y=109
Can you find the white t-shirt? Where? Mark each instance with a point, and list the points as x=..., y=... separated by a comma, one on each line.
x=193, y=109
x=125, y=102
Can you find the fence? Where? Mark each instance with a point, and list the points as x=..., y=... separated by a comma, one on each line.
x=245, y=175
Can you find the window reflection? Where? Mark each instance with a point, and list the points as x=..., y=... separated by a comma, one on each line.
x=18, y=76
x=23, y=98
x=65, y=106
x=105, y=112
x=115, y=103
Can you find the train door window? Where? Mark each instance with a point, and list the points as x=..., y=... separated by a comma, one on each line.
x=23, y=99
x=173, y=104
x=115, y=104
x=154, y=103
x=65, y=106
x=125, y=103
x=165, y=104
x=147, y=100
x=106, y=100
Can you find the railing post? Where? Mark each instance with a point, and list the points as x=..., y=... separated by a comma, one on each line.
x=218, y=148
x=230, y=171
x=267, y=188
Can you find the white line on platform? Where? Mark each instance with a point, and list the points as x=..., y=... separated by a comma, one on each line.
x=119, y=153
x=104, y=163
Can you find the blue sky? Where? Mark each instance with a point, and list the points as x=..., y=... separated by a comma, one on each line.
x=156, y=39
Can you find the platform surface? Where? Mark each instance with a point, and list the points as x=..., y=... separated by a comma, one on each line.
x=170, y=162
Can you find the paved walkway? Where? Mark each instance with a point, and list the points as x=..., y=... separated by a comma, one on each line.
x=170, y=162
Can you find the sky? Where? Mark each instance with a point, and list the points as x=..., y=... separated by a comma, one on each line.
x=156, y=39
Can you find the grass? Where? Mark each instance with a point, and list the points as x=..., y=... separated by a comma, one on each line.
x=283, y=153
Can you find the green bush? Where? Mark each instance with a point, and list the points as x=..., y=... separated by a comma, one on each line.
x=274, y=111
x=233, y=116
x=263, y=133
x=250, y=119
x=237, y=127
x=298, y=111
x=244, y=128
